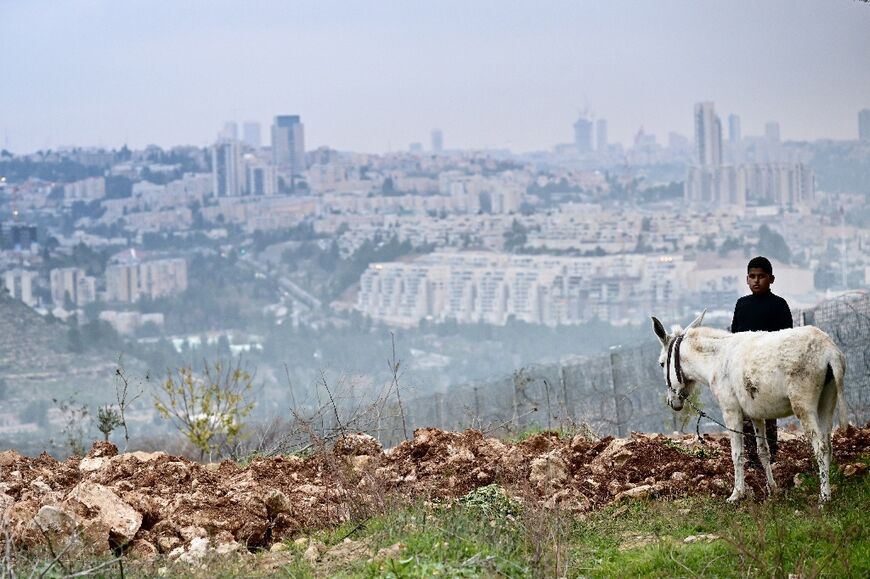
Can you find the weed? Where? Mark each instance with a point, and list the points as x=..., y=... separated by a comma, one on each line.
x=695, y=451
x=492, y=501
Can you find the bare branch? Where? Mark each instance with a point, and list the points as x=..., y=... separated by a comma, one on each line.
x=394, y=368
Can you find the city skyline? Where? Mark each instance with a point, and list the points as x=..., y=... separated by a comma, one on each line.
x=382, y=75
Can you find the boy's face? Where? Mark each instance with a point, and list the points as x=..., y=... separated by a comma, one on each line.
x=759, y=280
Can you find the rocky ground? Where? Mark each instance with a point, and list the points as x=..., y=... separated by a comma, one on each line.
x=150, y=503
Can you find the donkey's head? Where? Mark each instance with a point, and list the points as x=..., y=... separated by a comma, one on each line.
x=679, y=388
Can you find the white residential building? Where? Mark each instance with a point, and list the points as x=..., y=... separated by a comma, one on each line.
x=132, y=279
x=780, y=184
x=493, y=288
x=72, y=282
x=86, y=190
x=19, y=284
x=261, y=179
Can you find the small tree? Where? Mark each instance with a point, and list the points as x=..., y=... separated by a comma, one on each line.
x=124, y=397
x=108, y=419
x=207, y=408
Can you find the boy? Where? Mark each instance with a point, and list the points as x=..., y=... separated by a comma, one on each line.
x=766, y=312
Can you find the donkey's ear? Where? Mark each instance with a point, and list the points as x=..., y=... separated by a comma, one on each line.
x=698, y=320
x=659, y=329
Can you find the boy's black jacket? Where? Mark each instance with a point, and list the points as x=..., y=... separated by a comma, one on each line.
x=765, y=312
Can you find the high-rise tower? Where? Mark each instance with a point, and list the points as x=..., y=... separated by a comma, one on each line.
x=583, y=135
x=734, y=135
x=226, y=164
x=437, y=141
x=288, y=143
x=708, y=135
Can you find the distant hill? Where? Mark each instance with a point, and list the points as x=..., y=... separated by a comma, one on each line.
x=28, y=341
x=36, y=348
x=37, y=368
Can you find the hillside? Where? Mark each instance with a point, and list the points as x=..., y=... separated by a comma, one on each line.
x=166, y=510
x=37, y=366
x=34, y=347
x=28, y=341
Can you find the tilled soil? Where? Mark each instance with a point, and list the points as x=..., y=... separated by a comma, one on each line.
x=151, y=503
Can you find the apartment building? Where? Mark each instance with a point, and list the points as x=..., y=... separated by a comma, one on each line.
x=780, y=184
x=132, y=279
x=19, y=283
x=493, y=288
x=73, y=283
x=86, y=190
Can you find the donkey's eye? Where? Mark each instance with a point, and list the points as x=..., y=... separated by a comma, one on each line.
x=662, y=364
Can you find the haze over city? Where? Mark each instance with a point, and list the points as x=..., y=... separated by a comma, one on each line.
x=279, y=280
x=499, y=195
x=376, y=76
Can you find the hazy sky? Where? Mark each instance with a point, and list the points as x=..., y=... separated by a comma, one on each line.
x=373, y=76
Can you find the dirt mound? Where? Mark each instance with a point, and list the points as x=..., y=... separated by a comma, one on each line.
x=156, y=503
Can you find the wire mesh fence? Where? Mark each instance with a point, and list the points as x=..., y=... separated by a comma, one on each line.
x=847, y=320
x=623, y=390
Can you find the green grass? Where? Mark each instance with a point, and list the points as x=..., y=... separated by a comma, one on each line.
x=452, y=540
x=774, y=538
x=787, y=534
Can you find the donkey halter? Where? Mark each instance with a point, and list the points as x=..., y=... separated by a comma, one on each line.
x=674, y=352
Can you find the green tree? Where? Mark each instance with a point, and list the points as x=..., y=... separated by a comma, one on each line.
x=108, y=419
x=388, y=188
x=730, y=244
x=772, y=244
x=207, y=408
x=118, y=187
x=68, y=303
x=515, y=238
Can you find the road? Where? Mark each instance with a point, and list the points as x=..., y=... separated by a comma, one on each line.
x=299, y=294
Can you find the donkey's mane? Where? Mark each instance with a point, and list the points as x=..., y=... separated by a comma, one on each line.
x=711, y=332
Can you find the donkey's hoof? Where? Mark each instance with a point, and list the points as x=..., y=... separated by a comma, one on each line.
x=734, y=498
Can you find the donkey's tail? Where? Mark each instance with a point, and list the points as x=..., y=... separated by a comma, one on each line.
x=835, y=373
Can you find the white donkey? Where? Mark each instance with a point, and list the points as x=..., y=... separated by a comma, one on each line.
x=760, y=375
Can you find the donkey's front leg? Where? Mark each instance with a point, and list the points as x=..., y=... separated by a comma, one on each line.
x=761, y=443
x=734, y=423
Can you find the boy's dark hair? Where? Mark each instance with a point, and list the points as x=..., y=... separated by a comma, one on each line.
x=761, y=263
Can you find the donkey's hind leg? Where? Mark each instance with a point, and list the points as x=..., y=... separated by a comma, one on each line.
x=827, y=404
x=821, y=442
x=764, y=452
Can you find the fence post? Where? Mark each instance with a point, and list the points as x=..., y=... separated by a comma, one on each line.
x=617, y=394
x=564, y=387
x=439, y=410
